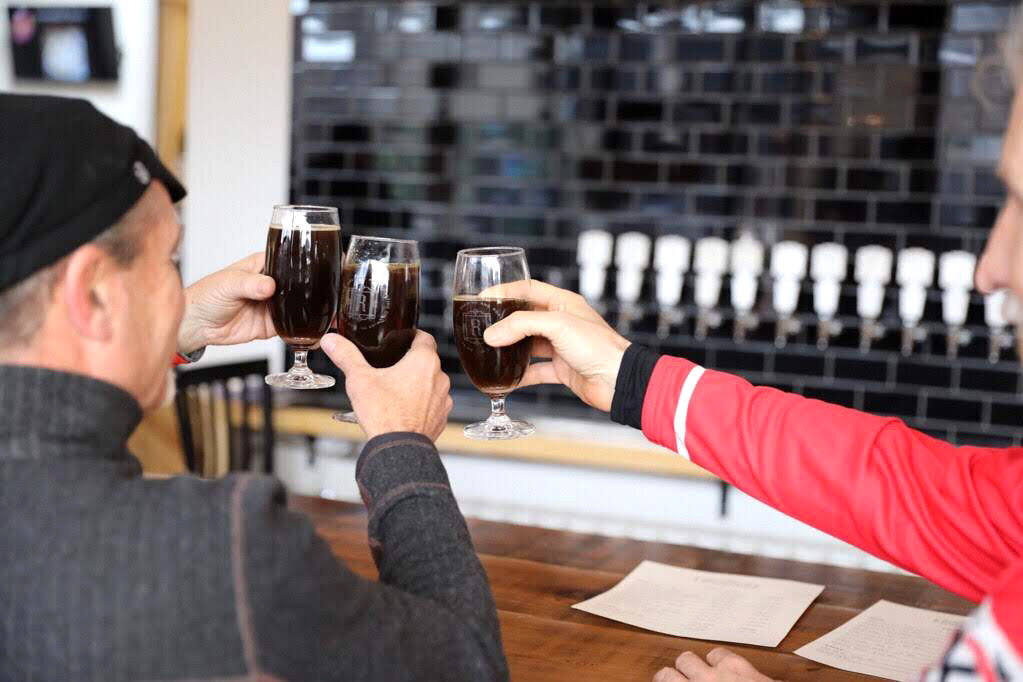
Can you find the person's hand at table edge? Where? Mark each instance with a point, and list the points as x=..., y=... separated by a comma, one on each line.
x=228, y=307
x=584, y=350
x=412, y=396
x=722, y=665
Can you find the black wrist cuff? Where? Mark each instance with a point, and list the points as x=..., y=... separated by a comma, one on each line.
x=630, y=387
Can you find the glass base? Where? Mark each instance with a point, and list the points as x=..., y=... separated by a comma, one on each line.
x=300, y=381
x=499, y=429
x=346, y=417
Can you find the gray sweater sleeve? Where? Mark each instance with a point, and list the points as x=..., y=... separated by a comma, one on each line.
x=303, y=615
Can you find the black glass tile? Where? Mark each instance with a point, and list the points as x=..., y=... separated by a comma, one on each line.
x=923, y=180
x=964, y=215
x=929, y=82
x=989, y=380
x=723, y=143
x=659, y=202
x=697, y=112
x=590, y=169
x=760, y=49
x=442, y=135
x=635, y=171
x=926, y=115
x=783, y=144
x=692, y=173
x=871, y=180
x=444, y=76
x=666, y=141
x=718, y=81
x=920, y=17
x=904, y=212
x=988, y=184
x=743, y=175
x=639, y=110
x=798, y=363
x=843, y=146
x=448, y=17
x=890, y=404
x=954, y=409
x=606, y=200
x=596, y=48
x=822, y=50
x=786, y=82
x=835, y=396
x=811, y=177
x=700, y=49
x=756, y=113
x=635, y=48
x=371, y=218
x=782, y=207
x=895, y=49
x=907, y=147
x=814, y=113
x=716, y=205
x=352, y=189
x=311, y=188
x=608, y=17
x=739, y=361
x=841, y=17
x=351, y=133
x=842, y=210
x=326, y=161
x=560, y=17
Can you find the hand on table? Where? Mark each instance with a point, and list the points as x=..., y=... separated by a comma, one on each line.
x=722, y=665
x=410, y=396
x=585, y=351
x=228, y=307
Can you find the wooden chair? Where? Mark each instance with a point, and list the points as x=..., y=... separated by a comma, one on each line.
x=213, y=405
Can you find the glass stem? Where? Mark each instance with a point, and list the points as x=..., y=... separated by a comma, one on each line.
x=300, y=367
x=498, y=417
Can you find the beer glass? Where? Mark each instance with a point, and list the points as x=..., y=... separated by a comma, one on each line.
x=303, y=255
x=379, y=309
x=493, y=371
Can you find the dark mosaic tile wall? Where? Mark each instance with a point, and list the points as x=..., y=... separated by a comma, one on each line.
x=464, y=124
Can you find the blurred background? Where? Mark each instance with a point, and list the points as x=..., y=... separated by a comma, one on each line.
x=860, y=124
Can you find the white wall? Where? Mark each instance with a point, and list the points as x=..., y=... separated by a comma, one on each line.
x=132, y=100
x=237, y=132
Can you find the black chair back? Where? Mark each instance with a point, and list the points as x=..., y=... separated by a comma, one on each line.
x=214, y=405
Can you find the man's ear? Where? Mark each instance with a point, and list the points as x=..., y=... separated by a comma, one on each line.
x=89, y=292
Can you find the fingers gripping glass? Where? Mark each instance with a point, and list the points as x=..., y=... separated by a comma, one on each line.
x=494, y=371
x=303, y=255
x=379, y=310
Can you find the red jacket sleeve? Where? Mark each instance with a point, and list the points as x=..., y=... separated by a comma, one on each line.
x=953, y=515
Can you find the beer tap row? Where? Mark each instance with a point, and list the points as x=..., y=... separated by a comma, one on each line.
x=710, y=259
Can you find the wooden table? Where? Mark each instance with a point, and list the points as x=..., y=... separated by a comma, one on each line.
x=537, y=574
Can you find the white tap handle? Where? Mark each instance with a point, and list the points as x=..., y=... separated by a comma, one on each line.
x=825, y=297
x=708, y=289
x=829, y=261
x=955, y=305
x=633, y=251
x=744, y=291
x=874, y=264
x=630, y=283
x=955, y=270
x=747, y=256
x=788, y=259
x=912, y=298
x=594, y=248
x=995, y=309
x=915, y=266
x=786, y=295
x=591, y=282
x=711, y=256
x=669, y=288
x=671, y=252
x=869, y=299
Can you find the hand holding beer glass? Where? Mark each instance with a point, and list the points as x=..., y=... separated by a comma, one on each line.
x=379, y=310
x=494, y=371
x=303, y=256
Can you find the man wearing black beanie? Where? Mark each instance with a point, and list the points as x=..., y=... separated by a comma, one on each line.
x=107, y=576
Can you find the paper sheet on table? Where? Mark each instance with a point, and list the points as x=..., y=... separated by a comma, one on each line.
x=704, y=605
x=887, y=640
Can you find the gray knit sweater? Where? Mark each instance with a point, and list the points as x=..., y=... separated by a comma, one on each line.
x=107, y=576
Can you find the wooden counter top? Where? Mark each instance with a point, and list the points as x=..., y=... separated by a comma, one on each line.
x=537, y=574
